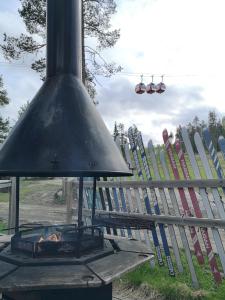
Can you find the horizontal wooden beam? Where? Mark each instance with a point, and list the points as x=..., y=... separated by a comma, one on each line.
x=203, y=183
x=5, y=184
x=173, y=220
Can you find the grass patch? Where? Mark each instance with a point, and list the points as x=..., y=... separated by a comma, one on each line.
x=176, y=288
x=32, y=187
x=4, y=197
x=2, y=227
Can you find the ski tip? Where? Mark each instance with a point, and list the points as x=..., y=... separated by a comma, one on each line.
x=165, y=131
x=150, y=144
x=183, y=128
x=197, y=135
x=205, y=130
x=177, y=144
x=165, y=134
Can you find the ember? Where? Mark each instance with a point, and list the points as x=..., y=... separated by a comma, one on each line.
x=53, y=238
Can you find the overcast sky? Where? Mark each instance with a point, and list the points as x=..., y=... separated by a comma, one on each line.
x=183, y=39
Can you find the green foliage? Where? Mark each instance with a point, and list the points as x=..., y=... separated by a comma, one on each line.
x=97, y=16
x=115, y=131
x=3, y=94
x=215, y=125
x=23, y=109
x=2, y=227
x=4, y=123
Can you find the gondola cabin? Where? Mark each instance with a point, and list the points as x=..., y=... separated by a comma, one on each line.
x=140, y=88
x=160, y=88
x=151, y=88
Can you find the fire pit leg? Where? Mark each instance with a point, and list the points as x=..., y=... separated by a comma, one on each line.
x=94, y=201
x=80, y=208
x=101, y=293
x=17, y=221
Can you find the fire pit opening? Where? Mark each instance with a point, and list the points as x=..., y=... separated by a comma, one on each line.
x=57, y=241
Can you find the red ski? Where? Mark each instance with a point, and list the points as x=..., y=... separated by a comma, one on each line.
x=187, y=212
x=198, y=213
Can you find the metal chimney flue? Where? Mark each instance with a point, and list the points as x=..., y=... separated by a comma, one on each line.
x=62, y=133
x=64, y=38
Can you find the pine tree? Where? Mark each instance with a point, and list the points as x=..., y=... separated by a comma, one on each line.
x=23, y=109
x=4, y=123
x=115, y=132
x=97, y=16
x=212, y=124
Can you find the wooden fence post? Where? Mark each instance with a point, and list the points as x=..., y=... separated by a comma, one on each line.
x=68, y=195
x=12, y=207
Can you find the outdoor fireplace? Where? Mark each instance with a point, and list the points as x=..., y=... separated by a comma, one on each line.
x=57, y=241
x=62, y=135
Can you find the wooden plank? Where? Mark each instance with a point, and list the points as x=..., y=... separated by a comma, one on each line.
x=201, y=183
x=5, y=184
x=12, y=207
x=68, y=196
x=173, y=220
x=49, y=277
x=110, y=268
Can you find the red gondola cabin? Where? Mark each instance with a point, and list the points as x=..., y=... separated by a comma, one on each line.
x=140, y=88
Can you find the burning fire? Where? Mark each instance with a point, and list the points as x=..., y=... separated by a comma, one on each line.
x=53, y=238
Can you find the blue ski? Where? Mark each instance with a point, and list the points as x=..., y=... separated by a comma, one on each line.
x=221, y=142
x=145, y=193
x=156, y=204
x=213, y=153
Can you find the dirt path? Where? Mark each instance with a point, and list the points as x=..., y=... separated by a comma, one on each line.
x=37, y=203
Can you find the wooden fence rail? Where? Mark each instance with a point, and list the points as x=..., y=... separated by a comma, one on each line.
x=200, y=183
x=141, y=219
x=166, y=191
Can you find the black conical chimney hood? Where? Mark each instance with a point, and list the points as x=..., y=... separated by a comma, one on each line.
x=61, y=133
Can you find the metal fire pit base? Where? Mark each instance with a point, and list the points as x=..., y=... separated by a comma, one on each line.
x=82, y=279
x=99, y=293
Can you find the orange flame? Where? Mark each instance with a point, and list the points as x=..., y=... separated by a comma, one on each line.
x=53, y=237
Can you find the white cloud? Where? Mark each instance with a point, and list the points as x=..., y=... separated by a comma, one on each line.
x=182, y=39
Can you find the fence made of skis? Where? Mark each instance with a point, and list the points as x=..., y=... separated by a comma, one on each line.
x=181, y=193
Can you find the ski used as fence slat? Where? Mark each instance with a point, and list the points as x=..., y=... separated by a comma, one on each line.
x=213, y=154
x=202, y=154
x=145, y=194
x=181, y=228
x=221, y=142
x=187, y=212
x=203, y=194
x=121, y=192
x=109, y=200
x=137, y=198
x=103, y=206
x=155, y=203
x=128, y=190
x=166, y=209
x=198, y=213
